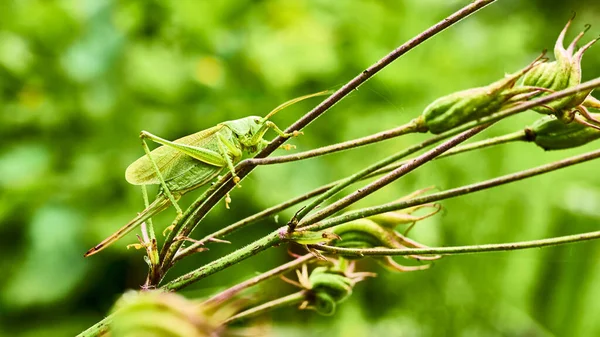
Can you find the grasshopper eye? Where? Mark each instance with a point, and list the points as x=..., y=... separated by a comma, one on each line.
x=256, y=121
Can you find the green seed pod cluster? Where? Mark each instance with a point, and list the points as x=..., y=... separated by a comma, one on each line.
x=468, y=105
x=328, y=289
x=550, y=133
x=160, y=314
x=563, y=73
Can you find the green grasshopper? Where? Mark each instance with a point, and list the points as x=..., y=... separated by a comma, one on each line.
x=192, y=161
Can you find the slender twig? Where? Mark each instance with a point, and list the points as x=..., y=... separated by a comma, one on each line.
x=285, y=301
x=408, y=128
x=99, y=329
x=393, y=206
x=150, y=243
x=186, y=215
x=520, y=135
x=391, y=177
x=224, y=262
x=242, y=169
x=459, y=249
x=229, y=293
x=249, y=220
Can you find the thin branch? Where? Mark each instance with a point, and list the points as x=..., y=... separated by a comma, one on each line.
x=391, y=177
x=242, y=169
x=393, y=206
x=520, y=135
x=459, y=249
x=226, y=261
x=229, y=293
x=186, y=215
x=249, y=220
x=408, y=128
x=285, y=301
x=99, y=329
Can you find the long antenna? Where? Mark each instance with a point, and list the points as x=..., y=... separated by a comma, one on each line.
x=296, y=100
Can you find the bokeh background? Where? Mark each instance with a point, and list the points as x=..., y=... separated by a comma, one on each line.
x=80, y=79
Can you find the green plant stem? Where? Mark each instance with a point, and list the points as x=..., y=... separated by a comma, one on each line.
x=459, y=249
x=186, y=215
x=171, y=247
x=408, y=128
x=285, y=301
x=99, y=329
x=520, y=135
x=149, y=240
x=225, y=261
x=229, y=293
x=248, y=221
x=393, y=206
x=390, y=177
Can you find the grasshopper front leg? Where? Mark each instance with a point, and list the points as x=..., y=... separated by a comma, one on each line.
x=275, y=128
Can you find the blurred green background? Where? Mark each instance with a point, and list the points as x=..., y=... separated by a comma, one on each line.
x=80, y=79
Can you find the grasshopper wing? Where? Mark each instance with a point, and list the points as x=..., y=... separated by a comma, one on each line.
x=171, y=162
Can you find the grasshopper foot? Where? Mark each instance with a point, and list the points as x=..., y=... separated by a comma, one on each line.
x=287, y=147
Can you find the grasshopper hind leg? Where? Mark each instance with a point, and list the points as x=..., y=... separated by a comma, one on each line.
x=163, y=184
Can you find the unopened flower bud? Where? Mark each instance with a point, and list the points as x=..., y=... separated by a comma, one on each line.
x=552, y=134
x=563, y=73
x=464, y=106
x=328, y=290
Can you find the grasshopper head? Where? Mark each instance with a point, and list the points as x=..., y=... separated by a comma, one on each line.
x=249, y=131
x=245, y=127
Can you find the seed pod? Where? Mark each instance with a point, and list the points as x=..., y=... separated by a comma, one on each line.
x=326, y=287
x=160, y=314
x=365, y=233
x=404, y=216
x=464, y=106
x=329, y=289
x=563, y=73
x=552, y=134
